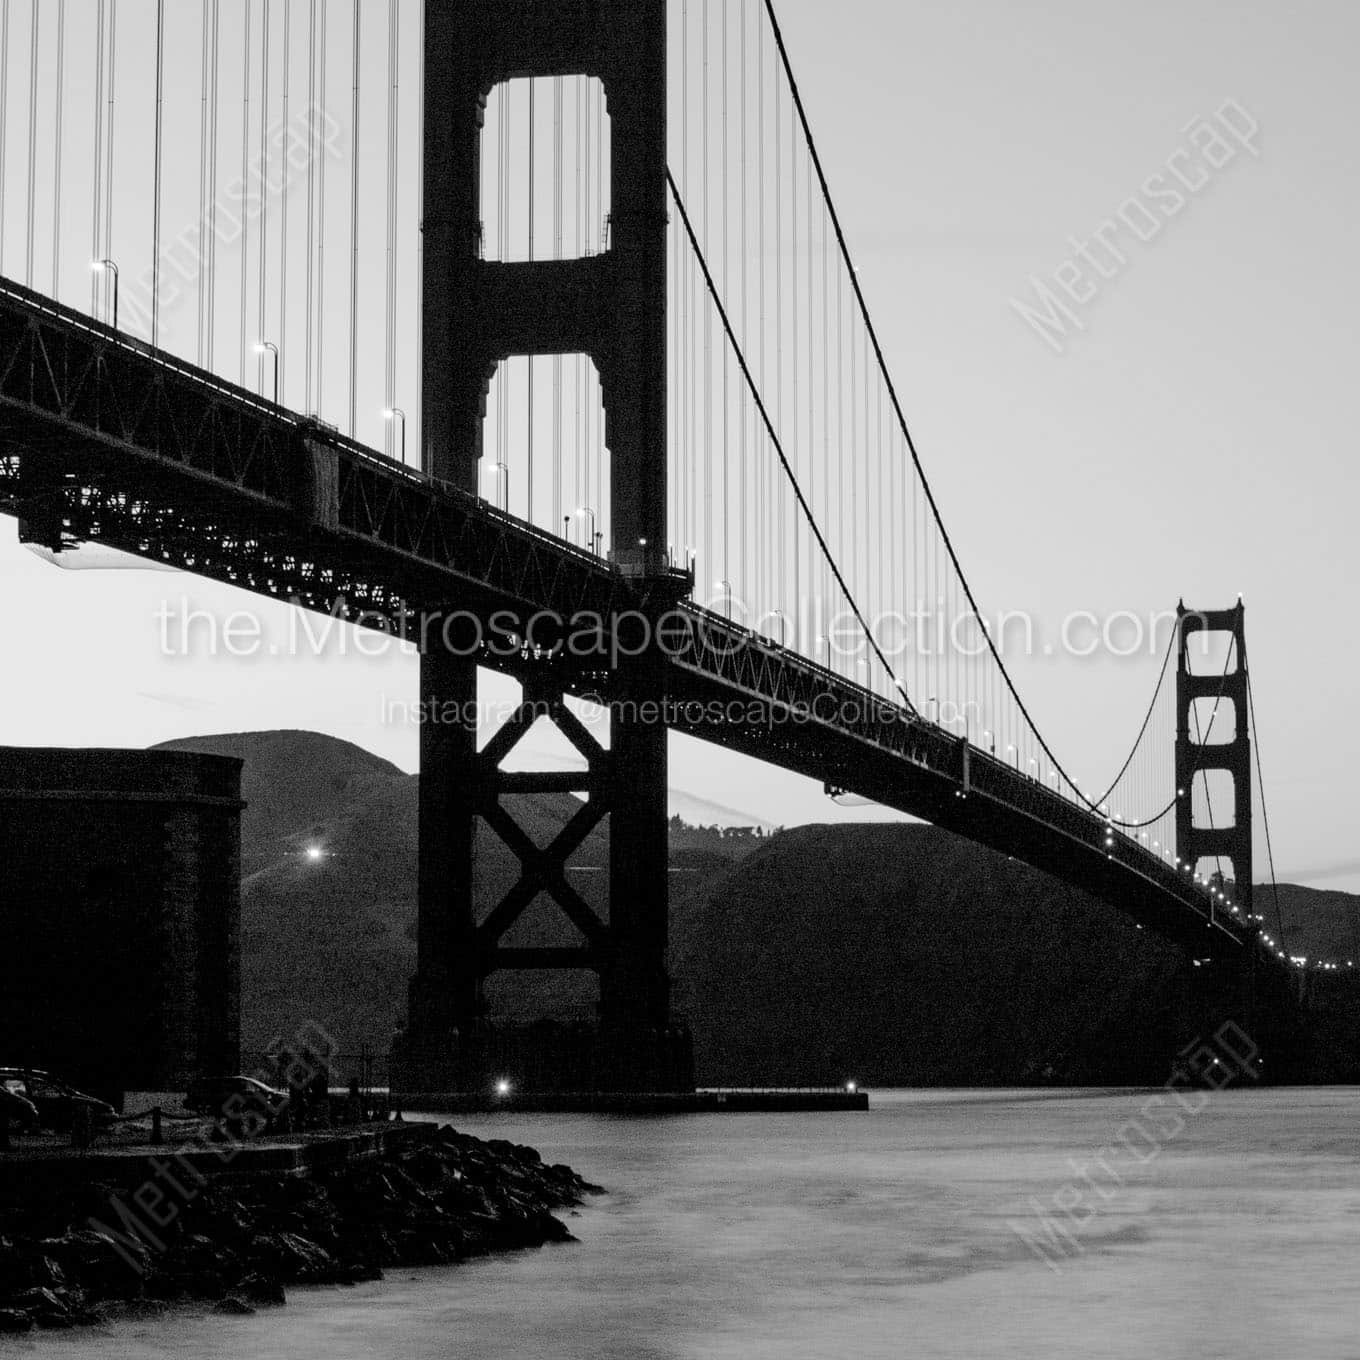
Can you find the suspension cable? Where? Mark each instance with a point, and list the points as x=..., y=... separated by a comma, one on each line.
x=1147, y=717
x=354, y=240
x=57, y=148
x=34, y=36
x=156, y=193
x=1265, y=815
x=4, y=114
x=774, y=437
x=873, y=338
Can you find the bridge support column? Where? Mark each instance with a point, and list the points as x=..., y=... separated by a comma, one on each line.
x=478, y=313
x=1230, y=977
x=446, y=992
x=635, y=987
x=1194, y=755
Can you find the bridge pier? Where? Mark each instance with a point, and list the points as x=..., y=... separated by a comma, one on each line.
x=478, y=313
x=452, y=1044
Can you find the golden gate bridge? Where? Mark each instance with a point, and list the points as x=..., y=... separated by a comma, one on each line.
x=656, y=462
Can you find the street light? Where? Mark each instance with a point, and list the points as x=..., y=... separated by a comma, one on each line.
x=396, y=413
x=935, y=715
x=269, y=347
x=783, y=623
x=502, y=471
x=101, y=266
x=594, y=539
x=726, y=588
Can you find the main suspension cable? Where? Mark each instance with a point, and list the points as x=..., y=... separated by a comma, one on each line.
x=873, y=339
x=775, y=440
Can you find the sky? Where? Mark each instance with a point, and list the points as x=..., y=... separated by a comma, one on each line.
x=1191, y=438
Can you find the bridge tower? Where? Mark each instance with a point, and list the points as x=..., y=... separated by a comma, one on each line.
x=1195, y=755
x=1230, y=989
x=478, y=313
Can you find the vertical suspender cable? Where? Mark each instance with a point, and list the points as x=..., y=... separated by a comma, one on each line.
x=108, y=147
x=354, y=241
x=262, y=305
x=285, y=186
x=205, y=43
x=211, y=263
x=311, y=197
x=743, y=511
x=4, y=113
x=556, y=508
x=321, y=223
x=245, y=181
x=56, y=152
x=34, y=36
x=156, y=203
x=390, y=358
x=726, y=452
x=599, y=218
x=529, y=442
x=95, y=252
x=418, y=309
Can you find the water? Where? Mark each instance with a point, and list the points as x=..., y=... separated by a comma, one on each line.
x=888, y=1234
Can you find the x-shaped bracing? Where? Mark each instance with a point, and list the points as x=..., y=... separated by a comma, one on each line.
x=543, y=869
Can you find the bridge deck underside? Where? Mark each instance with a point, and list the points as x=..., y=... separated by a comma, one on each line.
x=104, y=440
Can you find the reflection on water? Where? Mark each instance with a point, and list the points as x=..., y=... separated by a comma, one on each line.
x=892, y=1233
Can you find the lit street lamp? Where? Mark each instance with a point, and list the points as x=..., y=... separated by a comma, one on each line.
x=594, y=539
x=396, y=413
x=269, y=347
x=502, y=471
x=108, y=266
x=726, y=588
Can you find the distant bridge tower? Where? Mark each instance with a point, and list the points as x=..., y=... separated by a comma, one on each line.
x=477, y=314
x=1196, y=756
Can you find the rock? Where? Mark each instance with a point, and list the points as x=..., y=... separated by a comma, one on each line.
x=104, y=1269
x=260, y=1289
x=52, y=1308
x=28, y=1267
x=292, y=1259
x=238, y=1243
x=554, y=1230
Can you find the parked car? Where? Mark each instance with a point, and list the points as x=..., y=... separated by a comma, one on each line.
x=235, y=1095
x=17, y=1110
x=55, y=1100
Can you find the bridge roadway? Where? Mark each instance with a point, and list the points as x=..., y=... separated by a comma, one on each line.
x=103, y=439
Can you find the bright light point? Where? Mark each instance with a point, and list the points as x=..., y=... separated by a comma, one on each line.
x=389, y=413
x=97, y=266
x=852, y=1086
x=502, y=1087
x=314, y=853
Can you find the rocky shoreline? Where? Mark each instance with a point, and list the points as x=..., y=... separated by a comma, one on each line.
x=237, y=1244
